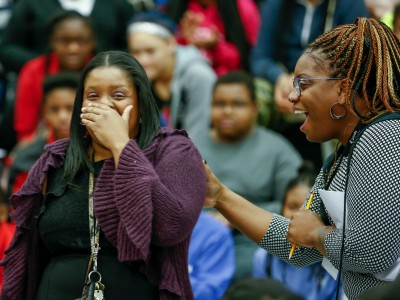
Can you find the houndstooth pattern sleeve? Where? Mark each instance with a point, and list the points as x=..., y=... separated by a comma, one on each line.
x=275, y=239
x=372, y=239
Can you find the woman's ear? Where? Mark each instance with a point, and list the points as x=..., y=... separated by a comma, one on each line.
x=344, y=90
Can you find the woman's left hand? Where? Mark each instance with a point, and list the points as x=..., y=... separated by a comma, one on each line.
x=106, y=125
x=304, y=228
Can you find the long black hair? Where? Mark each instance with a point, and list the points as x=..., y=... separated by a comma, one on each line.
x=233, y=24
x=77, y=153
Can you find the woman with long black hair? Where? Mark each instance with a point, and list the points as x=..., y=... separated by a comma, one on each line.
x=108, y=212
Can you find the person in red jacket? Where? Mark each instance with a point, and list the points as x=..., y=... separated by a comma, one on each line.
x=225, y=30
x=72, y=45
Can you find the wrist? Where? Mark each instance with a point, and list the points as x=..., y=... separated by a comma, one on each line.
x=322, y=233
x=221, y=197
x=118, y=148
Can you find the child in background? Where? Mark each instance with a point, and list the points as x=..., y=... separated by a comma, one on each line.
x=58, y=100
x=72, y=45
x=255, y=162
x=311, y=282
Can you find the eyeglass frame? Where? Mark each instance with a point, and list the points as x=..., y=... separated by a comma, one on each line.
x=297, y=80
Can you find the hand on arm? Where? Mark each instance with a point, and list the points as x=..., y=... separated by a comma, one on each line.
x=250, y=219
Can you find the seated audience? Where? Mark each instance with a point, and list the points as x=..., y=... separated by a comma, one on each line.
x=311, y=282
x=59, y=92
x=72, y=45
x=224, y=30
x=181, y=79
x=26, y=34
x=255, y=162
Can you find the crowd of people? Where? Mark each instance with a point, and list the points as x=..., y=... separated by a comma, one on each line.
x=165, y=148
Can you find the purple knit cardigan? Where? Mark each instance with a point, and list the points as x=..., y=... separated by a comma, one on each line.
x=147, y=208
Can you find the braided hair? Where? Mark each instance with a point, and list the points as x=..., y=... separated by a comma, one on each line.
x=368, y=54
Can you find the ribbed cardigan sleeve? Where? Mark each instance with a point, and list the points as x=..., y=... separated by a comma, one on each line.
x=21, y=265
x=154, y=197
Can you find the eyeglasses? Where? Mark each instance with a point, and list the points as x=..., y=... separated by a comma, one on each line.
x=297, y=83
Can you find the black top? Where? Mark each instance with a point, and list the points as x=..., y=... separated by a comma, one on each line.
x=64, y=217
x=64, y=232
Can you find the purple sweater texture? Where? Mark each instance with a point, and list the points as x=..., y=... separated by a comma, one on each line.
x=147, y=208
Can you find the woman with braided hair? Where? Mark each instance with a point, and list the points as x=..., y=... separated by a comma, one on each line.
x=347, y=84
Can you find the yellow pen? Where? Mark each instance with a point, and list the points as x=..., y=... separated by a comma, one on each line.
x=307, y=207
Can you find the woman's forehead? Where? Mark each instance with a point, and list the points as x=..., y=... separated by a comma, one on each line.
x=311, y=63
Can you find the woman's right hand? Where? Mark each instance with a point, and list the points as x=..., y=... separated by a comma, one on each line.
x=214, y=188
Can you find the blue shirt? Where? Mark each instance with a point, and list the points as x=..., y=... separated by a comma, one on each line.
x=211, y=258
x=311, y=282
